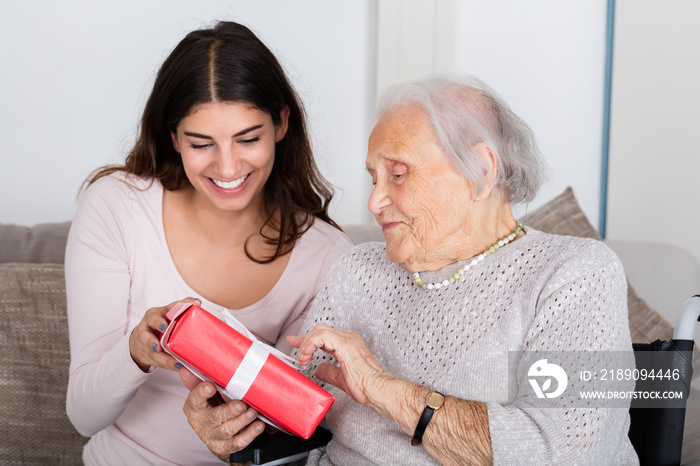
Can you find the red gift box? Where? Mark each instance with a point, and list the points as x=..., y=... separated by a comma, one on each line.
x=216, y=351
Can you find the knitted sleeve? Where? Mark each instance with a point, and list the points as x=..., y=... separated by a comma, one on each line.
x=327, y=304
x=581, y=308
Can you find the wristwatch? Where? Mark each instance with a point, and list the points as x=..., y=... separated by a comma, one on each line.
x=433, y=402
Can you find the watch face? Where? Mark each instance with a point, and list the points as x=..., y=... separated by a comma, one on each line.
x=435, y=400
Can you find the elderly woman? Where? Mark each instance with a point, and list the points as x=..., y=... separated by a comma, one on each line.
x=418, y=331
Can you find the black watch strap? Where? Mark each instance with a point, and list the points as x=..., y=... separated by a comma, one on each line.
x=426, y=416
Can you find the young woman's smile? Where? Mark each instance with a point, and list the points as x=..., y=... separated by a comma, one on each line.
x=228, y=151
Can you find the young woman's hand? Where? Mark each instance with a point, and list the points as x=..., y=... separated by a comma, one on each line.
x=225, y=427
x=144, y=342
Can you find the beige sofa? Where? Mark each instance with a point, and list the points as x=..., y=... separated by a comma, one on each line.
x=34, y=351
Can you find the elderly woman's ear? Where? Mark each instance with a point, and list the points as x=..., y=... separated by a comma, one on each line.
x=489, y=162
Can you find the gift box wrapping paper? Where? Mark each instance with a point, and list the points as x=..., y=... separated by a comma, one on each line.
x=215, y=350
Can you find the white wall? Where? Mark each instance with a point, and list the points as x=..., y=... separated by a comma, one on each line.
x=75, y=74
x=546, y=58
x=654, y=145
x=414, y=37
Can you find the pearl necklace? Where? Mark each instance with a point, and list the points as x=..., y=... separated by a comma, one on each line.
x=476, y=261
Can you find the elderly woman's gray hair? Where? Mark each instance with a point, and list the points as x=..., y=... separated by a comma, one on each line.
x=464, y=112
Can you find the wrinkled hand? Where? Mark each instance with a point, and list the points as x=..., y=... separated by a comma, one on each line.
x=224, y=427
x=144, y=343
x=358, y=373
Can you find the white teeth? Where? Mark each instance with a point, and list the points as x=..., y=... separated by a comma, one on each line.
x=230, y=184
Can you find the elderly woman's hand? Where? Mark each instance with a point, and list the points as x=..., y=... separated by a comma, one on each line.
x=459, y=435
x=225, y=426
x=358, y=373
x=144, y=343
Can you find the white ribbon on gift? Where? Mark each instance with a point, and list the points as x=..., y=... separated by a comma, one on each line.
x=247, y=370
x=252, y=362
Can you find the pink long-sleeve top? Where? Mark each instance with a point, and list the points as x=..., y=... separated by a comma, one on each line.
x=117, y=267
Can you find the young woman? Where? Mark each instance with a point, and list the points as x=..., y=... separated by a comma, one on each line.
x=220, y=199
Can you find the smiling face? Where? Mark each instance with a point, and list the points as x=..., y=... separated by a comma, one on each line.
x=228, y=151
x=422, y=202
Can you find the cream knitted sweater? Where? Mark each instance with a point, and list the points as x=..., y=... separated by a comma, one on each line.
x=542, y=292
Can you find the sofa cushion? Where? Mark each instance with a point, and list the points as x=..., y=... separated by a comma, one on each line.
x=42, y=243
x=34, y=340
x=363, y=233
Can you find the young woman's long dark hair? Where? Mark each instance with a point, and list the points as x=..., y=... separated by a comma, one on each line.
x=228, y=63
